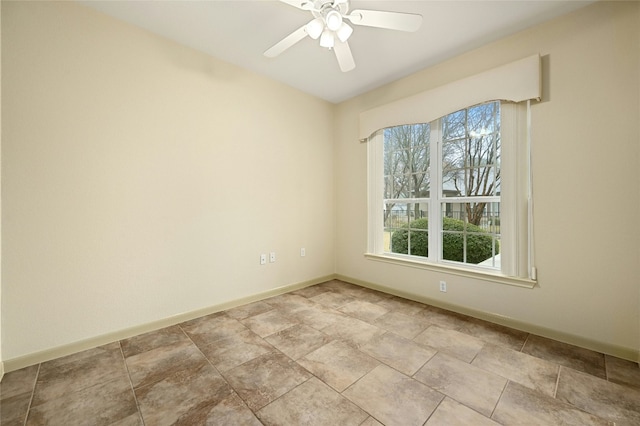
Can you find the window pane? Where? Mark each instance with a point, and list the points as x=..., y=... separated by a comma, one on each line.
x=471, y=152
x=388, y=187
x=471, y=233
x=419, y=242
x=396, y=215
x=475, y=181
x=484, y=118
x=405, y=229
x=454, y=125
x=406, y=161
x=419, y=184
x=396, y=186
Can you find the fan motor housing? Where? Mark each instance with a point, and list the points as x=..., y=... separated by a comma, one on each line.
x=321, y=7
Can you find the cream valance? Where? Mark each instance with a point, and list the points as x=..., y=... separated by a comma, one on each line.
x=517, y=81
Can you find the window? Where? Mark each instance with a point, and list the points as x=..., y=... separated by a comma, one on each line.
x=436, y=191
x=454, y=191
x=452, y=205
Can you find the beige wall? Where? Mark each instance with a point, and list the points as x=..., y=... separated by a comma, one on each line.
x=586, y=167
x=142, y=179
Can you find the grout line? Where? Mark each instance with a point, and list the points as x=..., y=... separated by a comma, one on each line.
x=555, y=389
x=499, y=399
x=444, y=396
x=33, y=393
x=133, y=391
x=525, y=342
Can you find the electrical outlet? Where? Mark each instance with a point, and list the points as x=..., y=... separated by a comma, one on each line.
x=263, y=259
x=443, y=286
x=272, y=256
x=303, y=252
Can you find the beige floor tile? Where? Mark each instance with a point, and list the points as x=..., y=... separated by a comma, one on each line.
x=353, y=330
x=443, y=318
x=310, y=291
x=185, y=395
x=341, y=287
x=152, y=366
x=230, y=411
x=494, y=333
x=266, y=378
x=18, y=382
x=402, y=354
x=318, y=316
x=164, y=337
x=232, y=351
x=79, y=371
x=610, y=401
x=570, y=356
x=520, y=405
x=622, y=371
x=289, y=303
x=206, y=330
x=371, y=422
x=467, y=384
x=404, y=325
x=269, y=323
x=16, y=390
x=405, y=306
x=459, y=345
x=527, y=370
x=249, y=310
x=312, y=403
x=297, y=341
x=13, y=409
x=366, y=311
x=331, y=299
x=338, y=364
x=393, y=398
x=452, y=413
x=369, y=295
x=101, y=404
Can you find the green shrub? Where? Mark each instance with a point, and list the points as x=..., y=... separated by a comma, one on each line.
x=478, y=245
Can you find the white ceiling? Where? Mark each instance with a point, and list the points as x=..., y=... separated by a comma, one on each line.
x=239, y=31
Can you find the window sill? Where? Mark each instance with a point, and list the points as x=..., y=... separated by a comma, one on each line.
x=468, y=273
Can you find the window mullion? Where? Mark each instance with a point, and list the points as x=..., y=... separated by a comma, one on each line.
x=435, y=208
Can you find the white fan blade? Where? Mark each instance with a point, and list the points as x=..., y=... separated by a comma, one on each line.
x=300, y=4
x=390, y=20
x=344, y=56
x=286, y=42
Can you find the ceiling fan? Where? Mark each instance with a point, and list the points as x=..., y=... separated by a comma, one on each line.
x=330, y=26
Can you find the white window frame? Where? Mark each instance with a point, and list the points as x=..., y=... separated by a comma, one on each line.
x=516, y=268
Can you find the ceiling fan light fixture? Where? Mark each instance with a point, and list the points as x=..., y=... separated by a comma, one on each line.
x=329, y=22
x=344, y=32
x=314, y=28
x=333, y=18
x=327, y=39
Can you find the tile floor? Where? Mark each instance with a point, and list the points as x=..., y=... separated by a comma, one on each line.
x=330, y=354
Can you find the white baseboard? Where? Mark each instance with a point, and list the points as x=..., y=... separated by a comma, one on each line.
x=49, y=354
x=71, y=348
x=583, y=342
x=1, y=370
